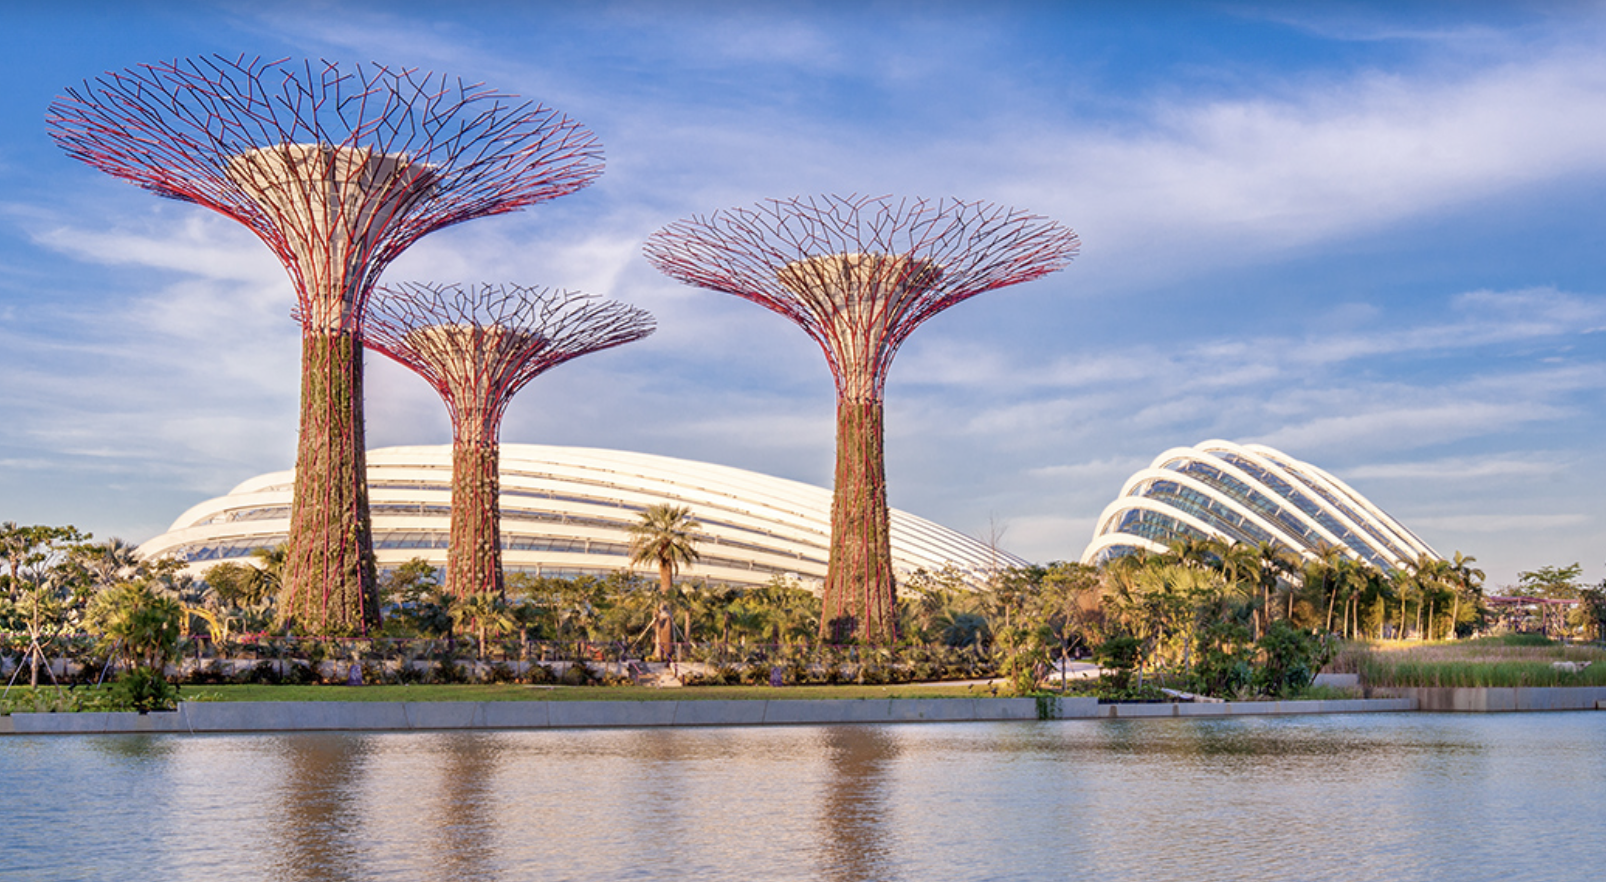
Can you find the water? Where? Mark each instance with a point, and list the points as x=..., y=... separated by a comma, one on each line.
x=1365, y=797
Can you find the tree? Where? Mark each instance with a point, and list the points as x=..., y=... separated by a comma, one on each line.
x=1431, y=573
x=1467, y=583
x=414, y=598
x=248, y=591
x=1594, y=610
x=1277, y=566
x=1325, y=569
x=27, y=546
x=145, y=627
x=145, y=624
x=1551, y=583
x=666, y=536
x=485, y=613
x=106, y=563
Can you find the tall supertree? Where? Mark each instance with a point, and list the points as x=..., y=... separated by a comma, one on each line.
x=338, y=171
x=859, y=274
x=478, y=346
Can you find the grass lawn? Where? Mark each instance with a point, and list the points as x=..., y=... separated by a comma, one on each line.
x=517, y=692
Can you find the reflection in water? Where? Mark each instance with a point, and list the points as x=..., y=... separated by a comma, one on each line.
x=853, y=802
x=1476, y=798
x=319, y=823
x=465, y=822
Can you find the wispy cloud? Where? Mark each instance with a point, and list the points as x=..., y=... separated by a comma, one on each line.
x=1499, y=523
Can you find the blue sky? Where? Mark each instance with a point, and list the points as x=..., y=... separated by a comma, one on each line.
x=1369, y=235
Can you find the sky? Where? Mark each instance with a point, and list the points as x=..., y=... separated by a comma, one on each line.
x=1369, y=235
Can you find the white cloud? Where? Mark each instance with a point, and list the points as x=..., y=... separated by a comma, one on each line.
x=1501, y=523
x=195, y=242
x=1405, y=427
x=1461, y=469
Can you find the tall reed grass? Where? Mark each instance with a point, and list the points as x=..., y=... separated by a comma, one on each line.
x=1498, y=662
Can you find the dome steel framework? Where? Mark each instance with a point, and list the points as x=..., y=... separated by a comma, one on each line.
x=1248, y=493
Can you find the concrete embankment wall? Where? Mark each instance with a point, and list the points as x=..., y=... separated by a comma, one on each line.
x=1493, y=699
x=312, y=716
x=1255, y=708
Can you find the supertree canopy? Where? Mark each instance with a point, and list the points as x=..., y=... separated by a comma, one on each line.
x=478, y=346
x=859, y=274
x=338, y=171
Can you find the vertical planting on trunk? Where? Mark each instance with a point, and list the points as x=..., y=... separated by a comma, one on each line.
x=860, y=599
x=331, y=586
x=474, y=559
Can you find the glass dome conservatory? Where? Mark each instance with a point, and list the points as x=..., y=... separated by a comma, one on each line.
x=565, y=512
x=1248, y=493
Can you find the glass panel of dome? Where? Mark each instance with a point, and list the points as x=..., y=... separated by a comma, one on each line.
x=1157, y=527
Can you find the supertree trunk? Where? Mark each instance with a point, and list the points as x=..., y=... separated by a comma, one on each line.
x=474, y=559
x=859, y=275
x=860, y=598
x=478, y=346
x=331, y=586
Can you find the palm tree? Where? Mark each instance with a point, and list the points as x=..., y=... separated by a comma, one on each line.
x=1276, y=563
x=667, y=536
x=1239, y=565
x=1431, y=573
x=1404, y=581
x=1466, y=580
x=484, y=613
x=1326, y=567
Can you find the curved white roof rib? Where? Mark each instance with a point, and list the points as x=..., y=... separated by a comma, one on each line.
x=565, y=511
x=1248, y=493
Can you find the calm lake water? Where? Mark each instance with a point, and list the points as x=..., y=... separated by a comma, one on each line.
x=1385, y=797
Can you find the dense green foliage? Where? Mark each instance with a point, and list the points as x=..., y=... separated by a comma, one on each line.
x=1228, y=621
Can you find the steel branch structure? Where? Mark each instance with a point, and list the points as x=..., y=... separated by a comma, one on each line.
x=478, y=347
x=338, y=171
x=859, y=274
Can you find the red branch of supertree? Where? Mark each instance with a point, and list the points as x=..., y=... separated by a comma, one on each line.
x=337, y=170
x=479, y=345
x=859, y=274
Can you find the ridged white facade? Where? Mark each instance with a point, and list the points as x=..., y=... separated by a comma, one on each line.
x=1248, y=493
x=565, y=512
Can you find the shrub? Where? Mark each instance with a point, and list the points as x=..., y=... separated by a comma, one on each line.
x=577, y=674
x=1290, y=659
x=144, y=690
x=1119, y=657
x=1225, y=663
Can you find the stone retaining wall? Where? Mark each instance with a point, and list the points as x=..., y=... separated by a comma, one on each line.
x=1493, y=699
x=312, y=716
x=1257, y=708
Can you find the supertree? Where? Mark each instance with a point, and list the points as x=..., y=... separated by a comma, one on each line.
x=338, y=171
x=478, y=346
x=859, y=274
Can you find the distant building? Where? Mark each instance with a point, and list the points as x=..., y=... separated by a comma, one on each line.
x=1248, y=493
x=565, y=511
